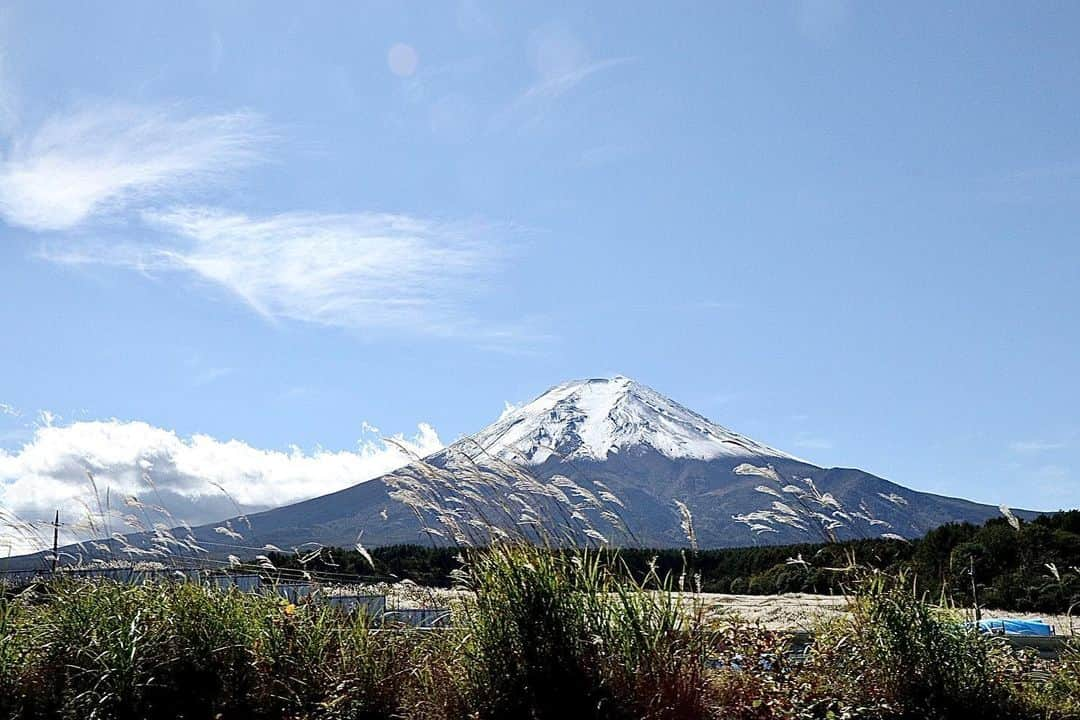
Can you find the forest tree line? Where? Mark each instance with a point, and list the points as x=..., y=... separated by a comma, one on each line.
x=1033, y=568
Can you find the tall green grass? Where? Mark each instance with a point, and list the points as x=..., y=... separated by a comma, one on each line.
x=107, y=650
x=922, y=662
x=553, y=635
x=543, y=635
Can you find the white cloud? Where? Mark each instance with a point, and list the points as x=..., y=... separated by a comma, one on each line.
x=98, y=159
x=50, y=472
x=1036, y=446
x=8, y=101
x=534, y=103
x=360, y=270
x=811, y=442
x=561, y=62
x=9, y=410
x=1055, y=485
x=210, y=375
x=823, y=21
x=549, y=88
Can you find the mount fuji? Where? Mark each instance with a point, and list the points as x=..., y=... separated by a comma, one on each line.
x=603, y=460
x=617, y=439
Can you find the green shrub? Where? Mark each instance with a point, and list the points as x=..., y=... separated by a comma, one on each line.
x=1051, y=690
x=106, y=650
x=898, y=652
x=556, y=636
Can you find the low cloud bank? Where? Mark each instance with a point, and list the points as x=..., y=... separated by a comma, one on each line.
x=92, y=471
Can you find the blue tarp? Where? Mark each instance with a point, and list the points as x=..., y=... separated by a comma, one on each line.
x=1012, y=626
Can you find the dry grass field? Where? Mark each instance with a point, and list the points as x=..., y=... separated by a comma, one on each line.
x=800, y=611
x=795, y=612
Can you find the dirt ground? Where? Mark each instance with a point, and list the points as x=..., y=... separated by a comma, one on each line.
x=794, y=611
x=799, y=611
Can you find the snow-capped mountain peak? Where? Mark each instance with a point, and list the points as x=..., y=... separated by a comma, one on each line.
x=595, y=418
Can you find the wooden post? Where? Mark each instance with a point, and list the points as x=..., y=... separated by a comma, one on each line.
x=974, y=590
x=56, y=541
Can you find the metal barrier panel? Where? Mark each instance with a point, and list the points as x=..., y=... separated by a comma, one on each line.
x=18, y=577
x=293, y=592
x=419, y=617
x=245, y=583
x=374, y=606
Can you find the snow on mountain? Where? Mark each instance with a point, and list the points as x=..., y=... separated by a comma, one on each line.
x=592, y=419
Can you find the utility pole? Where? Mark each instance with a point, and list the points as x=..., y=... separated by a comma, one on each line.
x=974, y=591
x=56, y=541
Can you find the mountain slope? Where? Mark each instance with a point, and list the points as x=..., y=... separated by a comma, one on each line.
x=613, y=435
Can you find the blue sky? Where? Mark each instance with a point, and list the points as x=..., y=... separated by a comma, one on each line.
x=847, y=231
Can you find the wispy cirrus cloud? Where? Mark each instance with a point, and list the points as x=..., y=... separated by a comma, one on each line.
x=537, y=101
x=185, y=475
x=812, y=442
x=355, y=270
x=9, y=100
x=210, y=375
x=7, y=95
x=360, y=270
x=1037, y=446
x=561, y=62
x=553, y=86
x=823, y=21
x=100, y=158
